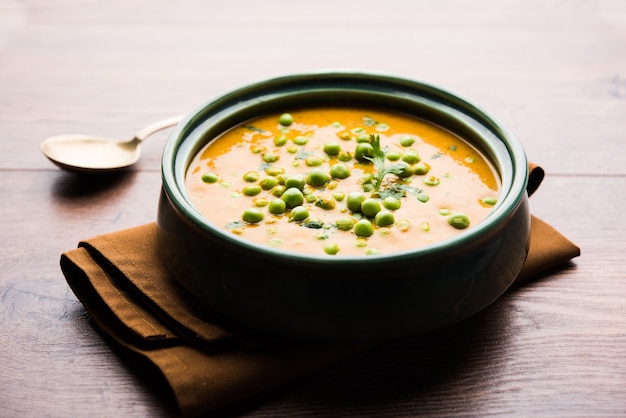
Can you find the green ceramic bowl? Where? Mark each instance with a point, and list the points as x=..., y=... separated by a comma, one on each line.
x=345, y=298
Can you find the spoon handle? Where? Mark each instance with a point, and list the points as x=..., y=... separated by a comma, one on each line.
x=157, y=126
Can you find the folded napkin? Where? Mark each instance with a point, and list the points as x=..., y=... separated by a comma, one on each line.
x=202, y=361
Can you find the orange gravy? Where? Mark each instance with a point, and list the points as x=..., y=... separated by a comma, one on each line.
x=223, y=180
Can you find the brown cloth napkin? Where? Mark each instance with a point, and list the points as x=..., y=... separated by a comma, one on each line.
x=204, y=361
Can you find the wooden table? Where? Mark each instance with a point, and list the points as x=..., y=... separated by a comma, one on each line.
x=553, y=71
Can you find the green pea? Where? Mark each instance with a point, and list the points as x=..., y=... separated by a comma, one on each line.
x=354, y=201
x=270, y=157
x=292, y=149
x=363, y=151
x=317, y=177
x=267, y=183
x=370, y=207
x=325, y=203
x=300, y=140
x=490, y=201
x=251, y=190
x=393, y=155
x=459, y=221
x=339, y=196
x=345, y=224
x=363, y=228
x=209, y=177
x=292, y=197
x=423, y=197
x=391, y=203
x=407, y=141
x=432, y=181
x=310, y=198
x=299, y=213
x=407, y=171
x=411, y=157
x=384, y=218
x=286, y=119
x=339, y=171
x=332, y=148
x=260, y=202
x=298, y=181
x=274, y=171
x=331, y=248
x=279, y=141
x=444, y=212
x=278, y=190
x=252, y=215
x=313, y=161
x=251, y=176
x=421, y=168
x=277, y=207
x=372, y=251
x=344, y=156
x=363, y=138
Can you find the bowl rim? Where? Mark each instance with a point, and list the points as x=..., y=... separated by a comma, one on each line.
x=179, y=150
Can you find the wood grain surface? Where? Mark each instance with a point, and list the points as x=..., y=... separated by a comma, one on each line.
x=553, y=71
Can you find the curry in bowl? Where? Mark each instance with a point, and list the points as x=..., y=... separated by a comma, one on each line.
x=342, y=181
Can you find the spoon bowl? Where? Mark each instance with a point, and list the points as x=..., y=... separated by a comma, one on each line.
x=88, y=154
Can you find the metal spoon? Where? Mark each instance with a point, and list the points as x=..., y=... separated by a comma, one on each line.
x=90, y=154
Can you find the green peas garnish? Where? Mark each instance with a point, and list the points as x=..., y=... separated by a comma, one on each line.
x=292, y=149
x=407, y=171
x=270, y=157
x=274, y=171
x=490, y=201
x=277, y=207
x=345, y=136
x=300, y=140
x=268, y=183
x=332, y=148
x=423, y=197
x=354, y=201
x=391, y=203
x=252, y=215
x=299, y=213
x=209, y=177
x=384, y=218
x=296, y=181
x=325, y=203
x=363, y=228
x=363, y=138
x=317, y=177
x=370, y=207
x=393, y=155
x=363, y=151
x=407, y=141
x=286, y=119
x=411, y=157
x=251, y=176
x=432, y=181
x=313, y=161
x=339, y=171
x=279, y=141
x=278, y=190
x=331, y=248
x=292, y=197
x=344, y=156
x=310, y=198
x=251, y=190
x=444, y=212
x=459, y=221
x=421, y=168
x=339, y=196
x=345, y=224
